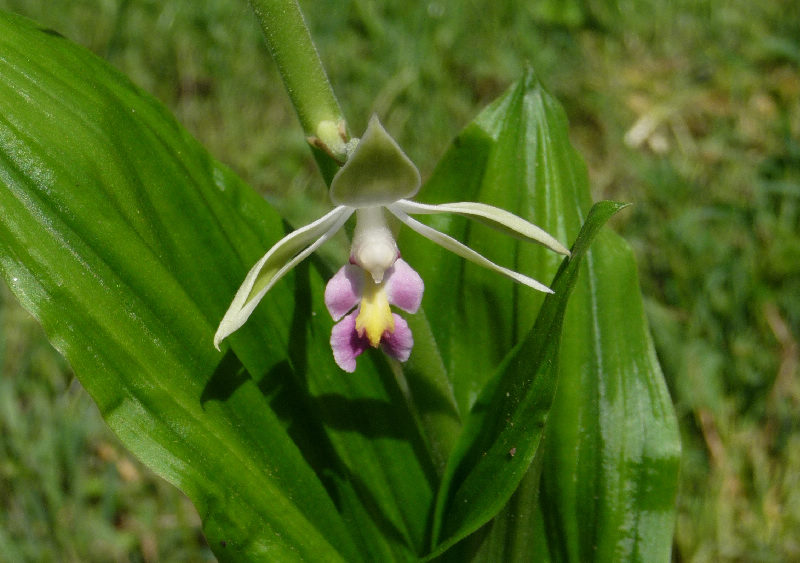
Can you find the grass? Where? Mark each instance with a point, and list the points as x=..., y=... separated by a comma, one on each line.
x=68, y=490
x=688, y=109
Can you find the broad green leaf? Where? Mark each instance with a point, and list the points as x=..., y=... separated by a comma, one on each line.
x=127, y=242
x=613, y=425
x=517, y=155
x=430, y=393
x=116, y=234
x=501, y=437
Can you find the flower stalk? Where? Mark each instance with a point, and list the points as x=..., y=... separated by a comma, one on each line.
x=291, y=47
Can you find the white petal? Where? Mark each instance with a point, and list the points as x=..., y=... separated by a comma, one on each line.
x=377, y=172
x=281, y=258
x=451, y=244
x=493, y=216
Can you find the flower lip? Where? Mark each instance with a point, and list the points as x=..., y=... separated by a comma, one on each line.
x=403, y=286
x=400, y=342
x=374, y=315
x=372, y=323
x=347, y=345
x=343, y=291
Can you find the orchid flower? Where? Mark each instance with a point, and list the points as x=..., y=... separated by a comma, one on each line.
x=376, y=181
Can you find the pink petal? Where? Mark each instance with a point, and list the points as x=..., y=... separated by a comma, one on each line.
x=347, y=345
x=343, y=291
x=404, y=286
x=397, y=344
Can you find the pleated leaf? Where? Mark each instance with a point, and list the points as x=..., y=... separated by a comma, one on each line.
x=502, y=435
x=610, y=470
x=127, y=242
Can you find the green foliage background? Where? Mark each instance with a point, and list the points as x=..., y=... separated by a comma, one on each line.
x=688, y=109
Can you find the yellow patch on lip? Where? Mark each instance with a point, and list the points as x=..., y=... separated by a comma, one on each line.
x=374, y=317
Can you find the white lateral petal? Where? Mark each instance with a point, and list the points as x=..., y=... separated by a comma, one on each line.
x=493, y=216
x=451, y=244
x=281, y=258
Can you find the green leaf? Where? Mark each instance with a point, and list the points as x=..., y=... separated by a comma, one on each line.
x=501, y=437
x=613, y=425
x=101, y=202
x=517, y=155
x=127, y=242
x=430, y=393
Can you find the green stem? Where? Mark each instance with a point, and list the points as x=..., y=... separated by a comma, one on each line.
x=291, y=46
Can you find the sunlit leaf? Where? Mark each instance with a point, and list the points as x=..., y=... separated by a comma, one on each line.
x=127, y=242
x=502, y=435
x=517, y=155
